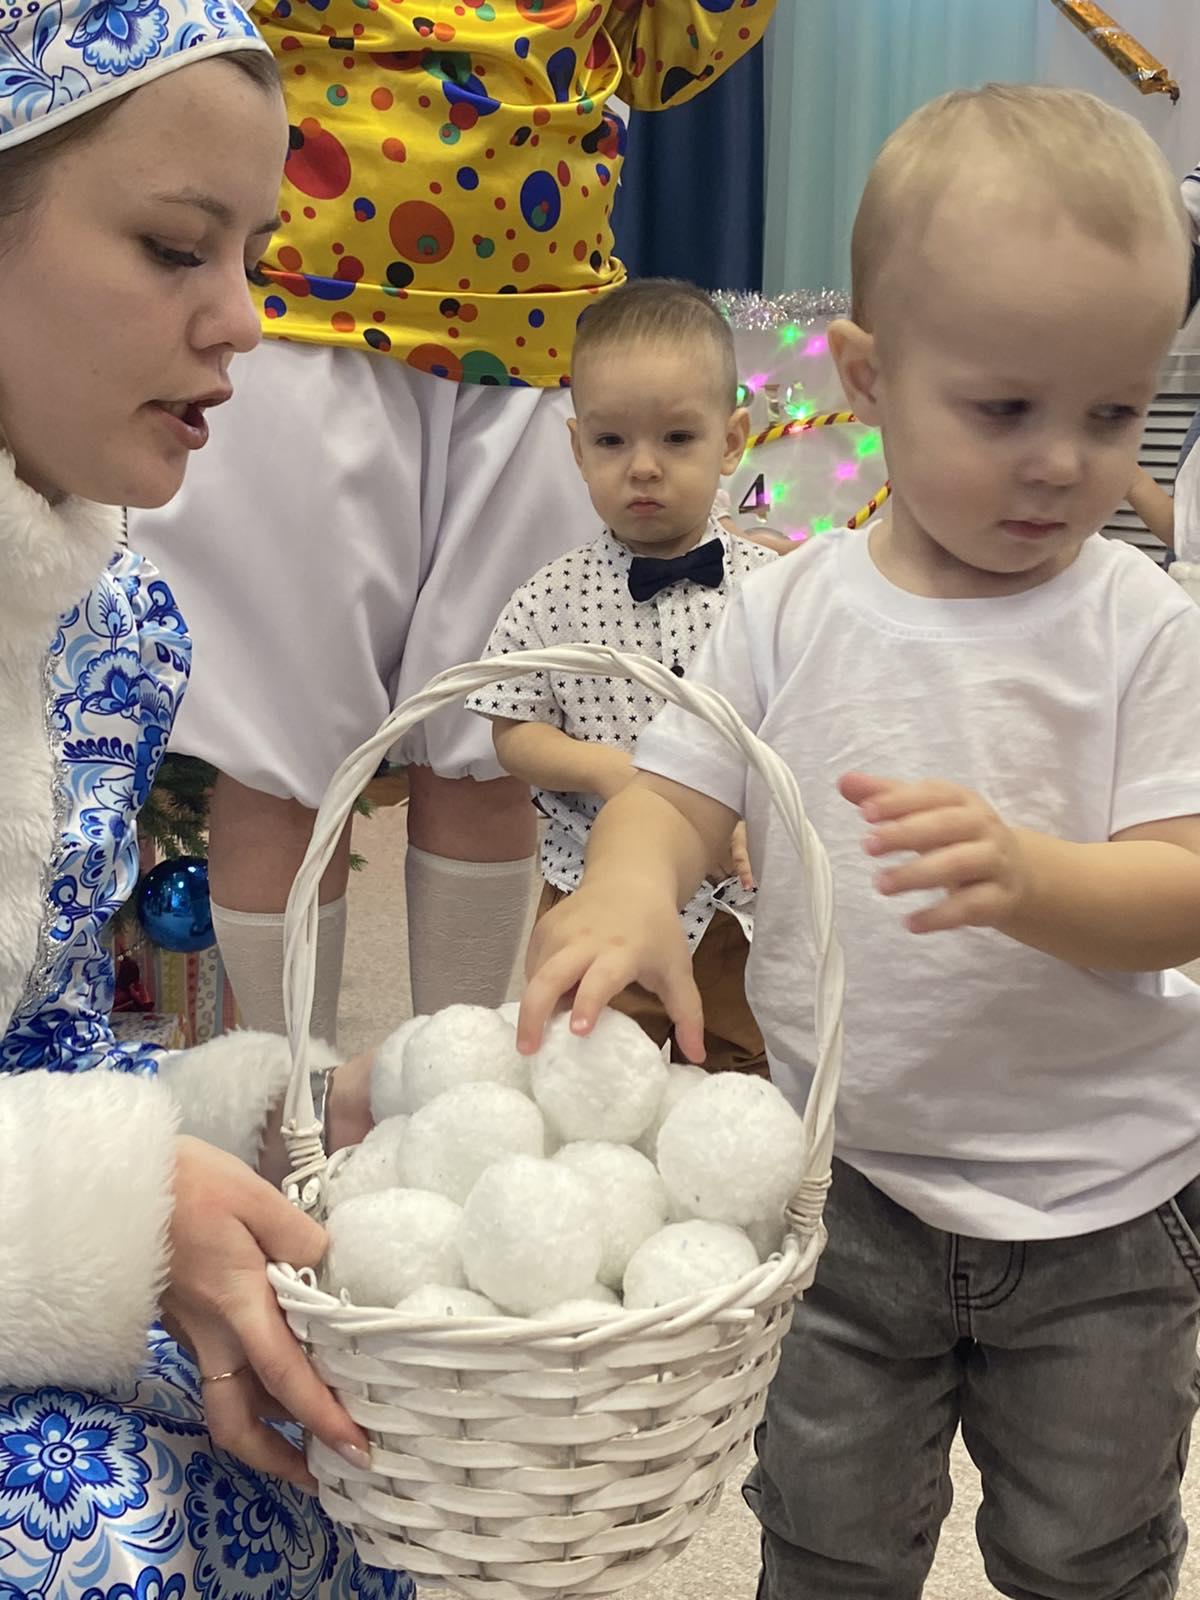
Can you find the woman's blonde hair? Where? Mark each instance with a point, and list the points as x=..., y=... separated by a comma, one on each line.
x=1095, y=162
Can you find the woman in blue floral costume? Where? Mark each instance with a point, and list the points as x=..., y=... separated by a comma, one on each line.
x=130, y=1469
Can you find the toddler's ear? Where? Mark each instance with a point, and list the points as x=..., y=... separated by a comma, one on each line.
x=573, y=430
x=737, y=434
x=853, y=351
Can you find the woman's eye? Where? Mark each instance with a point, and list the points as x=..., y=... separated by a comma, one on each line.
x=167, y=257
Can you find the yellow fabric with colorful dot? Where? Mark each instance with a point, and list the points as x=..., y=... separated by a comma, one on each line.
x=449, y=187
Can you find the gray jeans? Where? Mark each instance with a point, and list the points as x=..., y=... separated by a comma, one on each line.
x=1070, y=1363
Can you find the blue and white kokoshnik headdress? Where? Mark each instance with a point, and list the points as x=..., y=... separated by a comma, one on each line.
x=60, y=58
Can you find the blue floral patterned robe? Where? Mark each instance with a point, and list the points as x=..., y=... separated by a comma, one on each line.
x=122, y=1496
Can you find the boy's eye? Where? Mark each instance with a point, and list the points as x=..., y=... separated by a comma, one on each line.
x=167, y=257
x=1116, y=416
x=608, y=441
x=1002, y=410
x=679, y=436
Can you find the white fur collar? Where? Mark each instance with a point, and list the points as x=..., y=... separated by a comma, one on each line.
x=50, y=557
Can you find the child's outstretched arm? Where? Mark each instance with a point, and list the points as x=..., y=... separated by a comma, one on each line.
x=547, y=758
x=1131, y=904
x=1154, y=505
x=649, y=851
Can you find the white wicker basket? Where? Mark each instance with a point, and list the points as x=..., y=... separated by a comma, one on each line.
x=522, y=1459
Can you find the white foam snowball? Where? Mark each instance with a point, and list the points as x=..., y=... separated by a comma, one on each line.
x=530, y=1234
x=600, y=1294
x=462, y=1044
x=682, y=1077
x=631, y=1196
x=686, y=1258
x=451, y=1142
x=607, y=1085
x=387, y=1075
x=509, y=1012
x=383, y=1246
x=732, y=1150
x=766, y=1235
x=440, y=1300
x=370, y=1166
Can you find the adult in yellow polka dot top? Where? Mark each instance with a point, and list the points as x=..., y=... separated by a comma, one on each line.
x=395, y=462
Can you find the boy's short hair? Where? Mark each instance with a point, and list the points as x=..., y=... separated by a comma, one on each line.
x=1098, y=163
x=668, y=310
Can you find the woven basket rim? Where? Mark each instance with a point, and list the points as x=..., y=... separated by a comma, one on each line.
x=729, y=1303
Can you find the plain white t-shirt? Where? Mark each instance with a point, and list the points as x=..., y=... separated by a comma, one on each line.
x=992, y=1090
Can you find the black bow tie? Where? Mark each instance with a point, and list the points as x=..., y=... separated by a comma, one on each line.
x=705, y=564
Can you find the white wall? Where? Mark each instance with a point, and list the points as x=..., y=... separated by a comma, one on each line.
x=1169, y=29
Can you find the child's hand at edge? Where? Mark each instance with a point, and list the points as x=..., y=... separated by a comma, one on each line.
x=597, y=942
x=961, y=847
x=737, y=861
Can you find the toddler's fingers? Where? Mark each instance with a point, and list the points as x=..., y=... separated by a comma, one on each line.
x=858, y=787
x=607, y=976
x=681, y=998
x=956, y=866
x=925, y=830
x=980, y=905
x=546, y=986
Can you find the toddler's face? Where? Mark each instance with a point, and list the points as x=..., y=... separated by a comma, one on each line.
x=1015, y=367
x=652, y=439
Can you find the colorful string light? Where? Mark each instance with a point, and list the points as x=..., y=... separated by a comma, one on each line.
x=828, y=419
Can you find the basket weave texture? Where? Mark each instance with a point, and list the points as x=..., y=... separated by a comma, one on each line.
x=522, y=1458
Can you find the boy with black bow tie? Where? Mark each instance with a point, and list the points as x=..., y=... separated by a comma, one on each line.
x=656, y=426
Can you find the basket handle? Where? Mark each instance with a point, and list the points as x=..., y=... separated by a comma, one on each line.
x=302, y=1131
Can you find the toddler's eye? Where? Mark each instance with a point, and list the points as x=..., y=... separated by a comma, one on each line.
x=608, y=441
x=1116, y=416
x=1002, y=410
x=680, y=437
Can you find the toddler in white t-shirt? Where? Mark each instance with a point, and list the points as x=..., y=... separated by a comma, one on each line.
x=987, y=704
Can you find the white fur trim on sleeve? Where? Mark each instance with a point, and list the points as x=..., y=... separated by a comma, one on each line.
x=86, y=1171
x=227, y=1088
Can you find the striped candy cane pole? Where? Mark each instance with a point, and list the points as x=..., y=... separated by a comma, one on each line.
x=871, y=507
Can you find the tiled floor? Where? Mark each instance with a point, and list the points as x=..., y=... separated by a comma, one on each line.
x=722, y=1561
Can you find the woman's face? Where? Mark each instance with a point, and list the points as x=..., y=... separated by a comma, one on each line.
x=124, y=285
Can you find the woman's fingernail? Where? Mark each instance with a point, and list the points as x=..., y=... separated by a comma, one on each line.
x=356, y=1456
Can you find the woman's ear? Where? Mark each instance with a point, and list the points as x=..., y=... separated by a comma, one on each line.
x=854, y=354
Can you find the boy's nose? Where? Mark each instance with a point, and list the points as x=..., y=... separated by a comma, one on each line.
x=1058, y=461
x=645, y=464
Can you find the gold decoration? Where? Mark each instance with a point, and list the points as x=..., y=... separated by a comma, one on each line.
x=1130, y=58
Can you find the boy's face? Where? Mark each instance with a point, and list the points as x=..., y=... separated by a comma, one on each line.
x=1011, y=371
x=652, y=437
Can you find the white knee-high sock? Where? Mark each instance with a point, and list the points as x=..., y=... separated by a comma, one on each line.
x=252, y=949
x=465, y=921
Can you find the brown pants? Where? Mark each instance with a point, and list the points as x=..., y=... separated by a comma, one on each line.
x=731, y=1037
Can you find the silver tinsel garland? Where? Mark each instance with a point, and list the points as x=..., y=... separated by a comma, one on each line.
x=755, y=312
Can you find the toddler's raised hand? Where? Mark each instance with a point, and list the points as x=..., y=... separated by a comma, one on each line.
x=598, y=941
x=961, y=847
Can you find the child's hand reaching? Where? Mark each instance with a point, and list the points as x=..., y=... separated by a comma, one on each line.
x=960, y=844
x=598, y=941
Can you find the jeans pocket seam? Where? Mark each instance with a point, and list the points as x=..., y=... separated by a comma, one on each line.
x=1179, y=1231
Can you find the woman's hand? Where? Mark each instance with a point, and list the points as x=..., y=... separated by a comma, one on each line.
x=227, y=1224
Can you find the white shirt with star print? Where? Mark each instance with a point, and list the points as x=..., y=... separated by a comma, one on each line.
x=584, y=598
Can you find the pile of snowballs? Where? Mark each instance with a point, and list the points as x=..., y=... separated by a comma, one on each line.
x=564, y=1185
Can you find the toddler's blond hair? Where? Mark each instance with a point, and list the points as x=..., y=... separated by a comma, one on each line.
x=1097, y=163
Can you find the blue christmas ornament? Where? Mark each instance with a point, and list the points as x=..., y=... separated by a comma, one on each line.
x=173, y=904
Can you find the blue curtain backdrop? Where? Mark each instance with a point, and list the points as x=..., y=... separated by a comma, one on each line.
x=842, y=75
x=691, y=198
